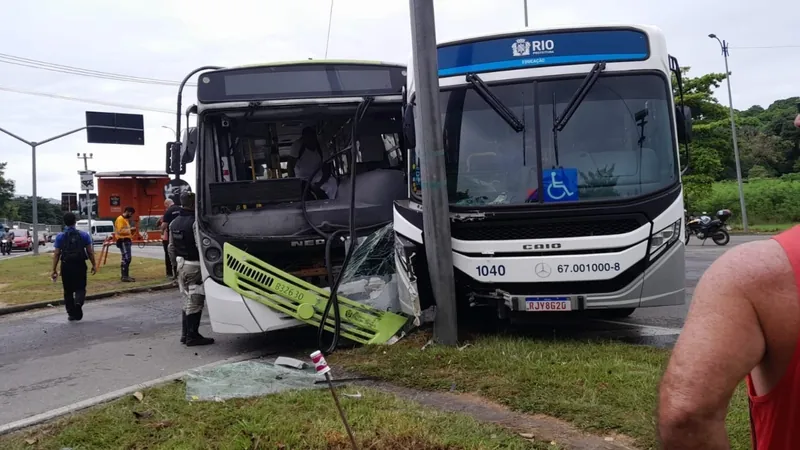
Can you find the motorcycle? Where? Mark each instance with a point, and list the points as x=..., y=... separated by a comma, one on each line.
x=704, y=227
x=5, y=246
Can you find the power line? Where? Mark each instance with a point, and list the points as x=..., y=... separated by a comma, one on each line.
x=85, y=100
x=767, y=46
x=72, y=70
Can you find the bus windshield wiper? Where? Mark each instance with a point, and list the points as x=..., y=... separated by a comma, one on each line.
x=578, y=96
x=502, y=110
x=559, y=122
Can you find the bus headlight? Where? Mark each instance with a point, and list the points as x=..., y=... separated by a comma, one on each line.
x=213, y=254
x=664, y=238
x=218, y=271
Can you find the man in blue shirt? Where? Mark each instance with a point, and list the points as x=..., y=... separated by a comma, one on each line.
x=73, y=248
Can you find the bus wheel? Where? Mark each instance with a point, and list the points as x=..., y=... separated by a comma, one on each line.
x=617, y=313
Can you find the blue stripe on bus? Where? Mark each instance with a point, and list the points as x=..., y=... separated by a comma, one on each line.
x=539, y=61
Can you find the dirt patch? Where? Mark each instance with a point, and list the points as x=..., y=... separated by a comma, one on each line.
x=533, y=427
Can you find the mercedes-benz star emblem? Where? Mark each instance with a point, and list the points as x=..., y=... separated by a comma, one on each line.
x=542, y=270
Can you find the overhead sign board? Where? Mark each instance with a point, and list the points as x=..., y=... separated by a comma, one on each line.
x=301, y=80
x=114, y=128
x=82, y=203
x=69, y=201
x=87, y=180
x=540, y=50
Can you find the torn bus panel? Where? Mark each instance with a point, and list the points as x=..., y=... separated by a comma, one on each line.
x=283, y=292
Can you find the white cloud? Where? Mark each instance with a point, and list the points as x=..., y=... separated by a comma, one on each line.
x=167, y=39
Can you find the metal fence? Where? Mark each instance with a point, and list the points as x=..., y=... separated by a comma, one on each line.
x=29, y=226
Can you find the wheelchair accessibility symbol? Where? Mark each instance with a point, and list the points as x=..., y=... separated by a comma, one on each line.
x=560, y=185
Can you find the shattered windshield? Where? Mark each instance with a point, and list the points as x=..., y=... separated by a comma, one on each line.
x=618, y=143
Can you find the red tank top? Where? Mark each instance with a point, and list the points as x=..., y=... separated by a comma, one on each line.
x=775, y=416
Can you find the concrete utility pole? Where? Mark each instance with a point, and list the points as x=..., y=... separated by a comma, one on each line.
x=86, y=159
x=430, y=148
x=724, y=46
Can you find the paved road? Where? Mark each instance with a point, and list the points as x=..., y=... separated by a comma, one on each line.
x=150, y=251
x=698, y=258
x=47, y=362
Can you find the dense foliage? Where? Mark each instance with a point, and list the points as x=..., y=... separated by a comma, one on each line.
x=769, y=147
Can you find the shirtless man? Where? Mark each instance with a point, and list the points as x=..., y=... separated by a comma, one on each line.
x=743, y=323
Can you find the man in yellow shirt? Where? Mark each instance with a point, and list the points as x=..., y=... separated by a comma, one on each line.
x=122, y=228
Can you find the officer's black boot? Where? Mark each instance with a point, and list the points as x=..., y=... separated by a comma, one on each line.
x=185, y=327
x=193, y=338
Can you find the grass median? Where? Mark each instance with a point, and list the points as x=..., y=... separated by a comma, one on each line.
x=27, y=279
x=163, y=419
x=599, y=386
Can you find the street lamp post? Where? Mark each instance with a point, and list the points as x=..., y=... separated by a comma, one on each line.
x=526, y=12
x=168, y=128
x=724, y=46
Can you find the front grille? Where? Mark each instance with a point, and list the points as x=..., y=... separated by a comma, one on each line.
x=539, y=229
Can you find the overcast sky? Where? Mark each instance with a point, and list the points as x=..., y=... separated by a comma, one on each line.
x=166, y=39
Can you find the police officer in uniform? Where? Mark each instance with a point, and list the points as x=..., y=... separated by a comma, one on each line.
x=183, y=246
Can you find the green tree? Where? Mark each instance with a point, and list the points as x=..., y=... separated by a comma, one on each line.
x=7, y=205
x=698, y=94
x=48, y=213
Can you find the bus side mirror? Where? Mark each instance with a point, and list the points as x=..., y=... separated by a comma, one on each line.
x=409, y=130
x=683, y=117
x=190, y=145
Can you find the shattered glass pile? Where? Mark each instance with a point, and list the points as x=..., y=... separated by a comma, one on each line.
x=247, y=379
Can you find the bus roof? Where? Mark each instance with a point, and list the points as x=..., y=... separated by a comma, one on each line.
x=649, y=29
x=300, y=81
x=491, y=53
x=312, y=61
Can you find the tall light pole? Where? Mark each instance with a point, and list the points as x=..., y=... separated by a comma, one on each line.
x=168, y=128
x=526, y=12
x=724, y=46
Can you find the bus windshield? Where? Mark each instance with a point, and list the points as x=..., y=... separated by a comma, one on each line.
x=619, y=143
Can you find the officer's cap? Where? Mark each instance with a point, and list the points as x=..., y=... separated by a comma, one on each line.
x=187, y=200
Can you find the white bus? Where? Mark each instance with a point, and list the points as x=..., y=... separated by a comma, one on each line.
x=563, y=171
x=248, y=119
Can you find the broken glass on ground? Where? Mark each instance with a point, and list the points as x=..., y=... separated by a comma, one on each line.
x=247, y=379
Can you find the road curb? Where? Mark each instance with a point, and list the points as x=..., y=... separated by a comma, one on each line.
x=105, y=398
x=47, y=304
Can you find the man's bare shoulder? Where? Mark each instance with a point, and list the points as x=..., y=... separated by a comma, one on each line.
x=752, y=268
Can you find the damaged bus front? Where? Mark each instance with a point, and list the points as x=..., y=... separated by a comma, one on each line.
x=562, y=168
x=275, y=186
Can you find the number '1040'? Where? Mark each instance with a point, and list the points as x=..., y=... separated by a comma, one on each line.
x=485, y=271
